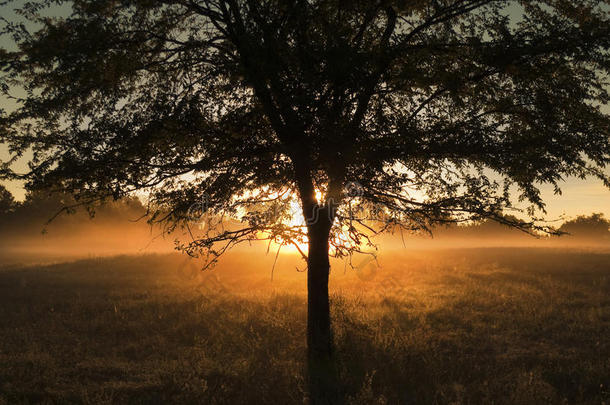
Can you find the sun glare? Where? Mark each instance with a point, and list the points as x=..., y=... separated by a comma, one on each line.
x=296, y=220
x=318, y=196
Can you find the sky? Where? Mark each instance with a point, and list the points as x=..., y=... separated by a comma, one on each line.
x=580, y=197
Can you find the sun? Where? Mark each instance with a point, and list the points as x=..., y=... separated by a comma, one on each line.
x=296, y=220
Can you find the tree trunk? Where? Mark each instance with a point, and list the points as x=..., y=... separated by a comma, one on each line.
x=322, y=371
x=323, y=384
x=319, y=340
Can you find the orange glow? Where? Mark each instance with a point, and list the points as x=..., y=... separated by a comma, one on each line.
x=318, y=196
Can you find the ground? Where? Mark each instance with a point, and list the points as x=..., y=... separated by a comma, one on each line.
x=469, y=326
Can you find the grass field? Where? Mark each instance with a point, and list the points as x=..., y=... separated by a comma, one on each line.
x=471, y=326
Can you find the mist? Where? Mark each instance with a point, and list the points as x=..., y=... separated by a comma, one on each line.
x=119, y=228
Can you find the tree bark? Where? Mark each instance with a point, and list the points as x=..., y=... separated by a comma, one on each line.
x=319, y=338
x=323, y=380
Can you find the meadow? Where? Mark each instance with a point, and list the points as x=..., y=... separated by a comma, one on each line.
x=452, y=326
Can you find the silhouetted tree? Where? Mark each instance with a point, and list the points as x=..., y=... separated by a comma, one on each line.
x=430, y=111
x=7, y=201
x=595, y=228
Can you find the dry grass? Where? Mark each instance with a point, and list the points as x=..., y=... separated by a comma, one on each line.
x=502, y=326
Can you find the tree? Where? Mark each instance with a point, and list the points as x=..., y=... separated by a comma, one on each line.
x=7, y=201
x=595, y=228
x=421, y=112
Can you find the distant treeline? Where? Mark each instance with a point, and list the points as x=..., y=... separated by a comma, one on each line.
x=595, y=227
x=591, y=229
x=31, y=216
x=116, y=227
x=39, y=208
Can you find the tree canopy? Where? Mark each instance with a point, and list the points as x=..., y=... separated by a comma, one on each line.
x=437, y=111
